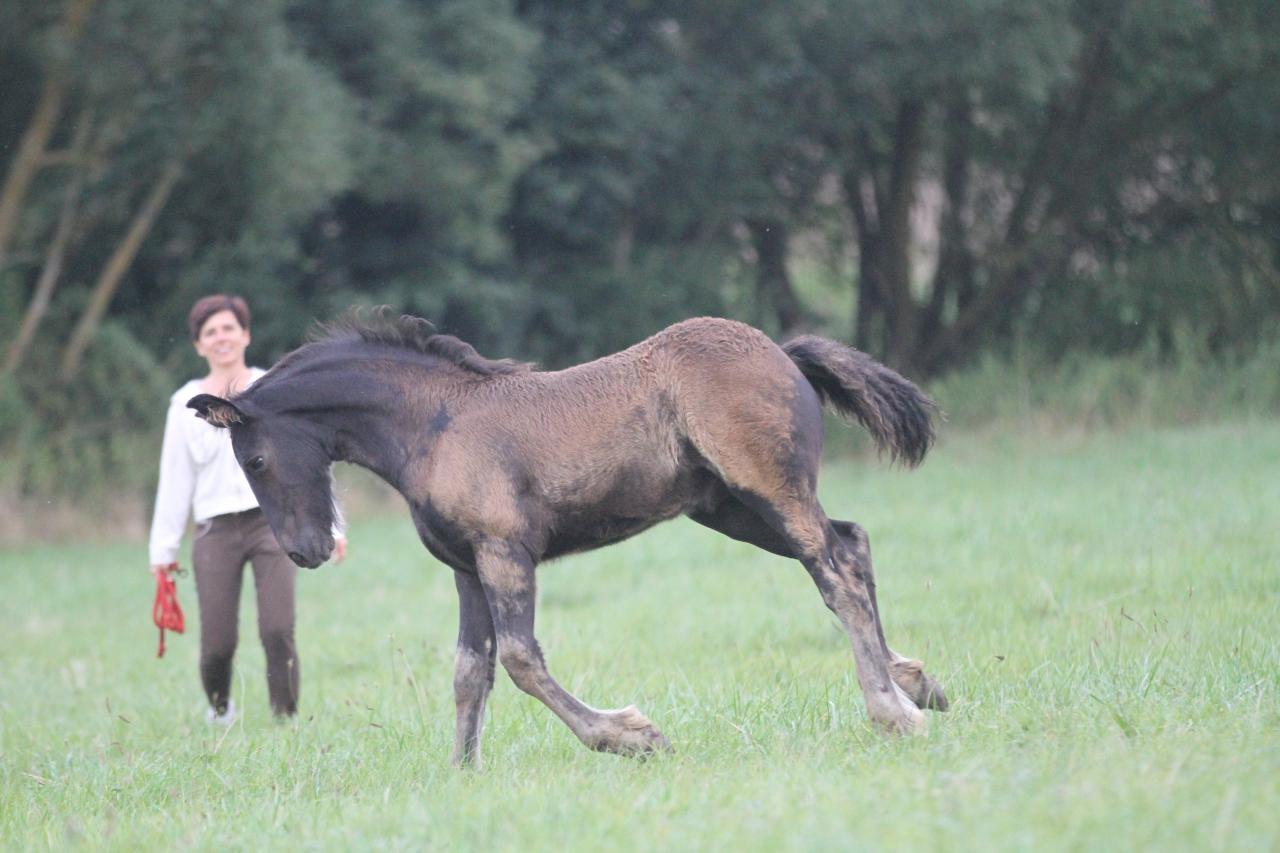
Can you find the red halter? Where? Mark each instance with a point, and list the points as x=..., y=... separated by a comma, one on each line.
x=165, y=612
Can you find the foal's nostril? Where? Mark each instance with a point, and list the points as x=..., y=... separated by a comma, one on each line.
x=296, y=557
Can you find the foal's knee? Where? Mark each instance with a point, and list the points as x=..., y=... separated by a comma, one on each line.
x=853, y=551
x=521, y=660
x=854, y=534
x=472, y=671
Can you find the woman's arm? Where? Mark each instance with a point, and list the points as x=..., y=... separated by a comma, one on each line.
x=175, y=491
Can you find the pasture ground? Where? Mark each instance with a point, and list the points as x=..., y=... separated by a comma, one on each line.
x=1104, y=610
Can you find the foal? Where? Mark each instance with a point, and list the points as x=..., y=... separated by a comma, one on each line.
x=504, y=467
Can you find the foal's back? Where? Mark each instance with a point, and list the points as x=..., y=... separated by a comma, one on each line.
x=689, y=381
x=640, y=426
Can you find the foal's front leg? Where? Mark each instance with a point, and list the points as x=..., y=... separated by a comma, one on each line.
x=507, y=573
x=472, y=667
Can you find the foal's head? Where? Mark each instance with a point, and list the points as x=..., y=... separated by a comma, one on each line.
x=287, y=464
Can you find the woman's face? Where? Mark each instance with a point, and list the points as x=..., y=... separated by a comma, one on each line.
x=222, y=341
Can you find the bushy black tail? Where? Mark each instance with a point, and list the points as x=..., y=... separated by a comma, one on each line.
x=898, y=415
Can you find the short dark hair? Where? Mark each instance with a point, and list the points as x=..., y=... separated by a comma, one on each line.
x=207, y=306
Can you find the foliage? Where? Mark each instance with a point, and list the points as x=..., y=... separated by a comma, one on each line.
x=1082, y=391
x=555, y=181
x=95, y=438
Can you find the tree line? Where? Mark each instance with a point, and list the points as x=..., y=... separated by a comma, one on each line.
x=928, y=180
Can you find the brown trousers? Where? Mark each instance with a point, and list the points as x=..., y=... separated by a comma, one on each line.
x=222, y=547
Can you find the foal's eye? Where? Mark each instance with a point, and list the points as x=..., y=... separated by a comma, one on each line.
x=256, y=465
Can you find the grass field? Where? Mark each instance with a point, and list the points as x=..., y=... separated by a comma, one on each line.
x=1104, y=610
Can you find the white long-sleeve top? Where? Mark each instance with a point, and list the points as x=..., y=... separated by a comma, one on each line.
x=198, y=474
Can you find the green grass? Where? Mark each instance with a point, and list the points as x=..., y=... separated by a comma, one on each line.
x=1103, y=610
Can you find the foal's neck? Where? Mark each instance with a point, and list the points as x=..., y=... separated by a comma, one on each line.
x=387, y=414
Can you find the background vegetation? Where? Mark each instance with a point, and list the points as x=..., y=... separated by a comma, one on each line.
x=948, y=185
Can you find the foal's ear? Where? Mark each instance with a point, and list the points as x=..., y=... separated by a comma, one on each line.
x=215, y=410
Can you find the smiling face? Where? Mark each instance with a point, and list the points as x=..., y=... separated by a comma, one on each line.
x=222, y=341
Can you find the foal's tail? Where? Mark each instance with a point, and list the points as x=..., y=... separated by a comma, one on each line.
x=898, y=415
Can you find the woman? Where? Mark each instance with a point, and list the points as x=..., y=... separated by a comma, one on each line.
x=199, y=475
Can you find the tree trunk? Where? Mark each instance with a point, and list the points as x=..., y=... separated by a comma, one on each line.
x=954, y=275
x=117, y=265
x=881, y=208
x=1014, y=273
x=895, y=245
x=54, y=257
x=869, y=303
x=30, y=155
x=868, y=324
x=773, y=282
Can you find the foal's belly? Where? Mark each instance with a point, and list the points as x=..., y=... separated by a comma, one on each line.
x=631, y=505
x=583, y=533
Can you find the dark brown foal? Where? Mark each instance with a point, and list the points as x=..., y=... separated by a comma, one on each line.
x=505, y=467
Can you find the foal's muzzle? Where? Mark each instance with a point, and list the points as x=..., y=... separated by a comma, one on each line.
x=309, y=558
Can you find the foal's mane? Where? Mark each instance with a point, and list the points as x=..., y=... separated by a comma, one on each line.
x=414, y=334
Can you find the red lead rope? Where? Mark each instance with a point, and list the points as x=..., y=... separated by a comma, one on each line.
x=165, y=612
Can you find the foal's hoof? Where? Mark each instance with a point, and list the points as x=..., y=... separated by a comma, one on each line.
x=903, y=720
x=629, y=732
x=918, y=685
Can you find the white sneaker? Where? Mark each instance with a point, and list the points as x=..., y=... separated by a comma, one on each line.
x=226, y=718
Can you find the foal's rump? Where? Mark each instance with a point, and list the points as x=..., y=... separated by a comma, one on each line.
x=752, y=408
x=742, y=404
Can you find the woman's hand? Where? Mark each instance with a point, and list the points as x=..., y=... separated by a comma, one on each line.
x=161, y=569
x=339, y=549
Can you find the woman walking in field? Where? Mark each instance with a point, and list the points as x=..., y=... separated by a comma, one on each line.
x=199, y=476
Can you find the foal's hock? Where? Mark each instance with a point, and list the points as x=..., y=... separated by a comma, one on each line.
x=505, y=466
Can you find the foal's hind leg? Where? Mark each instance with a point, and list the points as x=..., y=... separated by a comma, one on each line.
x=735, y=519
x=758, y=424
x=798, y=528
x=844, y=587
x=506, y=571
x=473, y=667
x=907, y=673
